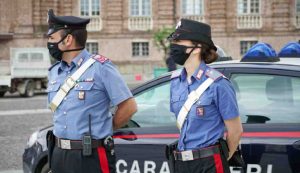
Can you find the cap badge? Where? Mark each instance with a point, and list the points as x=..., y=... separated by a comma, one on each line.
x=178, y=25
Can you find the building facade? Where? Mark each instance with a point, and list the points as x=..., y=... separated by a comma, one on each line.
x=123, y=30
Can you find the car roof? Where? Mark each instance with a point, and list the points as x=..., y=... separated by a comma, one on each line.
x=284, y=63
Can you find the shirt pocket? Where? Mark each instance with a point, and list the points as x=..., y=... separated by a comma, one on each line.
x=82, y=91
x=203, y=109
x=177, y=102
x=52, y=90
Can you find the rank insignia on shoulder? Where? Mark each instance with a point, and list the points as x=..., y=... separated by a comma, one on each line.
x=102, y=59
x=176, y=73
x=213, y=74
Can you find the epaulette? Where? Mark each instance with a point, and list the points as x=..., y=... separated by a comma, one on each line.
x=176, y=73
x=102, y=59
x=57, y=62
x=213, y=74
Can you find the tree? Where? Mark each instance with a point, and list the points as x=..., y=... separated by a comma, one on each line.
x=162, y=43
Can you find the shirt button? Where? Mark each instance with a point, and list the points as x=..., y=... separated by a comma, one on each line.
x=65, y=127
x=65, y=113
x=68, y=72
x=65, y=98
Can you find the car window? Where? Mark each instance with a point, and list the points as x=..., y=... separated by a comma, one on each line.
x=264, y=98
x=154, y=107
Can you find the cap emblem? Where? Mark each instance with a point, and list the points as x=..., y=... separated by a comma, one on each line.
x=178, y=25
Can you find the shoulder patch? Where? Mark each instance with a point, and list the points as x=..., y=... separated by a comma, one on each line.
x=57, y=62
x=176, y=73
x=102, y=59
x=213, y=74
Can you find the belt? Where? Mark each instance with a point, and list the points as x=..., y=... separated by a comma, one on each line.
x=75, y=144
x=196, y=154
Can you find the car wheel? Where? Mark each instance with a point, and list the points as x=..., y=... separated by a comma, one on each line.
x=2, y=94
x=46, y=169
x=29, y=90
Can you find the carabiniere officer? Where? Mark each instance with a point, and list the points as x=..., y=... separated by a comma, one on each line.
x=81, y=89
x=201, y=122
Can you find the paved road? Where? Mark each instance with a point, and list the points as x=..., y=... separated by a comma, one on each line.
x=19, y=117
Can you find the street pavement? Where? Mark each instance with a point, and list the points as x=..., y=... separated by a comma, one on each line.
x=19, y=118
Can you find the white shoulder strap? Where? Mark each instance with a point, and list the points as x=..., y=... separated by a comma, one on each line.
x=69, y=84
x=193, y=97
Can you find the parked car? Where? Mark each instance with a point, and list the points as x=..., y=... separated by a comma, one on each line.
x=268, y=95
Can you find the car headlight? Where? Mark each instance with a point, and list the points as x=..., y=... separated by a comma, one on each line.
x=32, y=139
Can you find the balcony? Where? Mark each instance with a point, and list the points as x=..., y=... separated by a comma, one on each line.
x=297, y=21
x=95, y=23
x=249, y=21
x=140, y=23
x=198, y=18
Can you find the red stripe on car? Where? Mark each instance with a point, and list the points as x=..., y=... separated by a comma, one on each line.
x=245, y=134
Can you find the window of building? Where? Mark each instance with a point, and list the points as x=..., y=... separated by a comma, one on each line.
x=275, y=96
x=298, y=7
x=245, y=46
x=140, y=49
x=92, y=47
x=192, y=7
x=248, y=6
x=140, y=18
x=248, y=16
x=140, y=7
x=89, y=7
x=297, y=17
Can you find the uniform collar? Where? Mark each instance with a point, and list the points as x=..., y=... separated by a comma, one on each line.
x=199, y=72
x=76, y=62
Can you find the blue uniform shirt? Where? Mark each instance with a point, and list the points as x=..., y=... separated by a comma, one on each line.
x=100, y=86
x=204, y=124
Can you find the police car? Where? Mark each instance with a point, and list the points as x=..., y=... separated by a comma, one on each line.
x=268, y=95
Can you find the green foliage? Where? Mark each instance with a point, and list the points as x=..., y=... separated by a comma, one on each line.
x=160, y=39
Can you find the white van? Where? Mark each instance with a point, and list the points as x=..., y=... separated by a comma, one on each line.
x=25, y=72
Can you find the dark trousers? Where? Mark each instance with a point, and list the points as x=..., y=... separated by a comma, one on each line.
x=213, y=164
x=72, y=161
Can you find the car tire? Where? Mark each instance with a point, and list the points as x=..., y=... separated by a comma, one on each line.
x=29, y=90
x=2, y=94
x=45, y=169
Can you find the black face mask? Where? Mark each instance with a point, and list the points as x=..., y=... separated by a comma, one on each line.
x=178, y=53
x=55, y=52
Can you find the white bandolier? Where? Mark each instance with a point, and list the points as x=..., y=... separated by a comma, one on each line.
x=69, y=84
x=195, y=95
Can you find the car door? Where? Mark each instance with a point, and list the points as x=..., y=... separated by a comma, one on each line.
x=269, y=101
x=140, y=147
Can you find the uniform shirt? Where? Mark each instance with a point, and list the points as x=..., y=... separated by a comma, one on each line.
x=204, y=123
x=97, y=89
